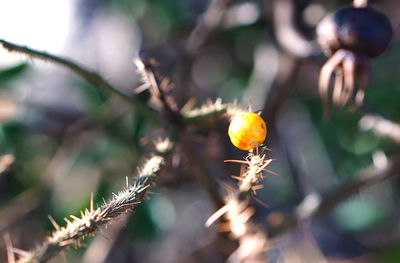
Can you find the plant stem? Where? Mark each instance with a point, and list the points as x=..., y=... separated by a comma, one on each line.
x=367, y=178
x=90, y=76
x=90, y=221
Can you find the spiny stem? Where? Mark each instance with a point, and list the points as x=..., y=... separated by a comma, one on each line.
x=79, y=227
x=90, y=76
x=208, y=111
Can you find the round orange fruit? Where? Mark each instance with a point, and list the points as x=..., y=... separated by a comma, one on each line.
x=247, y=131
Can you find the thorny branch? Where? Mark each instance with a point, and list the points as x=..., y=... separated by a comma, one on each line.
x=90, y=221
x=238, y=211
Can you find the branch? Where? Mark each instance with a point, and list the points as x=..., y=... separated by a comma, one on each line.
x=90, y=221
x=207, y=24
x=368, y=177
x=207, y=111
x=90, y=76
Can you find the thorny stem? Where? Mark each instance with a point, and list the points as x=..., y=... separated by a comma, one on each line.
x=237, y=210
x=90, y=76
x=208, y=111
x=90, y=221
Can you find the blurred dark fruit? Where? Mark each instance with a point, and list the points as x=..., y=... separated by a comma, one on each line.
x=360, y=30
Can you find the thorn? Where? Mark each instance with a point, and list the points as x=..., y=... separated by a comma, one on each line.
x=220, y=212
x=250, y=106
x=67, y=220
x=141, y=88
x=74, y=217
x=236, y=161
x=91, y=203
x=127, y=181
x=189, y=105
x=264, y=166
x=257, y=187
x=54, y=223
x=274, y=173
x=68, y=242
x=261, y=202
x=237, y=178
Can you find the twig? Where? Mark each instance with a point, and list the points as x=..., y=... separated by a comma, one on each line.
x=206, y=25
x=89, y=76
x=368, y=177
x=90, y=221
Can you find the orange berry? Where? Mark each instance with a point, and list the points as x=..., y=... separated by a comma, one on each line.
x=247, y=131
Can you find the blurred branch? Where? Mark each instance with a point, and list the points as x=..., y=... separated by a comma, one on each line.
x=366, y=178
x=90, y=221
x=206, y=25
x=90, y=76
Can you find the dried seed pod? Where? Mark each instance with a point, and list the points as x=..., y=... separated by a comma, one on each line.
x=350, y=37
x=364, y=31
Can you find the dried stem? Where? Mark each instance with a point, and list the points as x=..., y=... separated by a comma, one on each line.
x=90, y=76
x=90, y=221
x=237, y=210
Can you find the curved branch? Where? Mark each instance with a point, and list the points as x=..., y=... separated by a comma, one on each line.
x=368, y=177
x=90, y=76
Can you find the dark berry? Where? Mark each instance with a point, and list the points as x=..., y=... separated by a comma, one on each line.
x=360, y=30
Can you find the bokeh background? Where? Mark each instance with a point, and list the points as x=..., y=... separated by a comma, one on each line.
x=61, y=139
